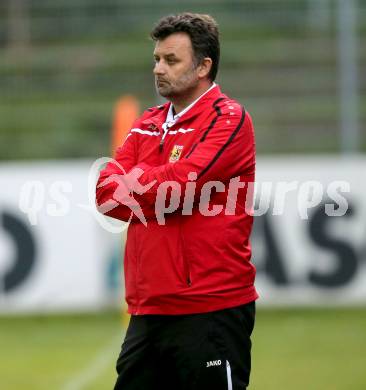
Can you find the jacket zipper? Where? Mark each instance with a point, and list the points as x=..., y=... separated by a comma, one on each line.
x=186, y=265
x=187, y=271
x=165, y=130
x=136, y=277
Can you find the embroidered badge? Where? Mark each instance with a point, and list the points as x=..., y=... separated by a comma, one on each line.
x=152, y=127
x=175, y=153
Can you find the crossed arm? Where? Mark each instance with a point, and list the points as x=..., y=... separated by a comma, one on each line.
x=226, y=151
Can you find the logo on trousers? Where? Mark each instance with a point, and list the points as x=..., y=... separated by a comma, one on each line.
x=213, y=363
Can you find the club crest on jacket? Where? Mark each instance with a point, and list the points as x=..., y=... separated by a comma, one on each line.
x=175, y=153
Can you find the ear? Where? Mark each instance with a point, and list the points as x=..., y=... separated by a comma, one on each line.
x=204, y=67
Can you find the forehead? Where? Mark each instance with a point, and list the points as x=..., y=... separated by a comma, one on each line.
x=177, y=43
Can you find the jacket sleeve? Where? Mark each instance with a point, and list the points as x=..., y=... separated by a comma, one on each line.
x=105, y=188
x=224, y=151
x=112, y=195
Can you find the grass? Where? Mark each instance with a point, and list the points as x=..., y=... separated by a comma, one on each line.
x=302, y=349
x=45, y=352
x=309, y=350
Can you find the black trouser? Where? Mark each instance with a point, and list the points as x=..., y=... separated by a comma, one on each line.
x=187, y=352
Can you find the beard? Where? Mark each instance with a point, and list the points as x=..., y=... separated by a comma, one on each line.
x=177, y=88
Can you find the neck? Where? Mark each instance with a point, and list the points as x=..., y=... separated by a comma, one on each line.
x=181, y=102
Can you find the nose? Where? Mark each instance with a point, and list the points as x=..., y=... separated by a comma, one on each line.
x=158, y=68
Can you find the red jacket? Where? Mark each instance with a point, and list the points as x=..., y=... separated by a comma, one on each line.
x=191, y=263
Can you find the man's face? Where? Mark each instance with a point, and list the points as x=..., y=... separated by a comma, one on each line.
x=175, y=71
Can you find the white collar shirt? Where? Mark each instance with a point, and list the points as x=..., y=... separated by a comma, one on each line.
x=171, y=119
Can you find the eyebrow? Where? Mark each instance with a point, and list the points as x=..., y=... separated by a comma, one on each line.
x=166, y=55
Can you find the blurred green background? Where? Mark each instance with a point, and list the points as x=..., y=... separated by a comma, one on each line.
x=64, y=64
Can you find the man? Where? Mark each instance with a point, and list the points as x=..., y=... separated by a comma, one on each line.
x=185, y=166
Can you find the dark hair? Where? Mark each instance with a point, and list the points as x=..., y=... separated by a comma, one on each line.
x=203, y=31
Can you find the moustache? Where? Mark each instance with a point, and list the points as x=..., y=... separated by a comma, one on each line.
x=158, y=81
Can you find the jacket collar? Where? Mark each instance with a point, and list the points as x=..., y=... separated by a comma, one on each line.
x=202, y=104
x=207, y=99
x=174, y=118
